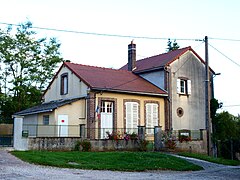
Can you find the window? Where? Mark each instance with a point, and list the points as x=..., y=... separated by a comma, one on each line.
x=151, y=117
x=106, y=107
x=183, y=86
x=131, y=109
x=64, y=84
x=46, y=120
x=180, y=112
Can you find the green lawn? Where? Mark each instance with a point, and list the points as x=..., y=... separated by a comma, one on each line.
x=119, y=161
x=211, y=159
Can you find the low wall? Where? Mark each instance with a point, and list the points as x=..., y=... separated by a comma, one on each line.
x=192, y=146
x=68, y=143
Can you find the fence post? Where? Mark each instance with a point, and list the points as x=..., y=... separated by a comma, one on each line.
x=59, y=132
x=158, y=138
x=82, y=130
x=37, y=130
x=141, y=132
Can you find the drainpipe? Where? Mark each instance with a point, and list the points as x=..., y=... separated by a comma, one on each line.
x=168, y=87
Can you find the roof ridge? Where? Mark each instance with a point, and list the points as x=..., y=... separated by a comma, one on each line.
x=188, y=47
x=104, y=68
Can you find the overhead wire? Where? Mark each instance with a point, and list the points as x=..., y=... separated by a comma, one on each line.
x=102, y=34
x=223, y=39
x=225, y=55
x=231, y=105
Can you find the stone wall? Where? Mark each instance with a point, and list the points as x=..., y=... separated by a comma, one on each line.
x=68, y=143
x=192, y=146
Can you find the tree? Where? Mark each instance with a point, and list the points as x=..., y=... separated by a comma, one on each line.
x=28, y=64
x=172, y=45
x=214, y=106
x=227, y=133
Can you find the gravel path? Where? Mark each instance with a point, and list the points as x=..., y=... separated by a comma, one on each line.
x=12, y=168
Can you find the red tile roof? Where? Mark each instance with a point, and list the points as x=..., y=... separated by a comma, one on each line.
x=160, y=60
x=113, y=80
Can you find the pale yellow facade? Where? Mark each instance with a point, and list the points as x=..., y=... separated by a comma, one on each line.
x=76, y=113
x=121, y=97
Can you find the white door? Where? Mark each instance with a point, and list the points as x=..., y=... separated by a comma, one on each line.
x=106, y=118
x=62, y=125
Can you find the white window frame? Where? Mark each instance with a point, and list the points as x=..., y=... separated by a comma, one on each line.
x=183, y=86
x=132, y=116
x=152, y=117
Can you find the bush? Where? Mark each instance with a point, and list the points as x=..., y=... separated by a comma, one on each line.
x=184, y=138
x=143, y=145
x=82, y=146
x=77, y=146
x=169, y=140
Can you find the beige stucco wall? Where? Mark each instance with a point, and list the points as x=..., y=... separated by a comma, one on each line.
x=120, y=106
x=76, y=87
x=76, y=112
x=193, y=105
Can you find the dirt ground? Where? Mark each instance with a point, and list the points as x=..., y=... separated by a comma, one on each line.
x=11, y=168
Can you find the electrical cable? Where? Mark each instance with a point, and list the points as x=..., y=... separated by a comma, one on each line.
x=224, y=55
x=102, y=34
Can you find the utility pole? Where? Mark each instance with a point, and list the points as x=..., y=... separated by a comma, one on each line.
x=207, y=97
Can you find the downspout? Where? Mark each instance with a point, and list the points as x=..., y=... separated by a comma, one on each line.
x=168, y=87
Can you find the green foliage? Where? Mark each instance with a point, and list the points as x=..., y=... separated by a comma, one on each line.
x=117, y=135
x=169, y=139
x=28, y=64
x=118, y=161
x=183, y=138
x=143, y=145
x=227, y=126
x=172, y=45
x=211, y=159
x=77, y=146
x=226, y=134
x=84, y=145
x=214, y=106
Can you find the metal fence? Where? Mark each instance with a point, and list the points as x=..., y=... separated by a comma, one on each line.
x=102, y=133
x=6, y=134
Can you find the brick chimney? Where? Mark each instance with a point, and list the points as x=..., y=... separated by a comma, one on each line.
x=131, y=56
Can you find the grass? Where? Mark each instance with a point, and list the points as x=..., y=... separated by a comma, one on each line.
x=116, y=161
x=211, y=159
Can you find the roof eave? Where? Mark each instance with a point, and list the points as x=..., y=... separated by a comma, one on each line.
x=148, y=70
x=34, y=112
x=130, y=92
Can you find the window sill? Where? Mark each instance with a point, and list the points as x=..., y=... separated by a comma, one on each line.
x=181, y=94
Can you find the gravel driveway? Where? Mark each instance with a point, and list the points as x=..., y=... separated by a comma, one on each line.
x=13, y=168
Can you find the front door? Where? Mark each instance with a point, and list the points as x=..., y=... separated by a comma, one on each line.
x=62, y=125
x=106, y=118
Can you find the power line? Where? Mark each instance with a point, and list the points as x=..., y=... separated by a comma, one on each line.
x=225, y=55
x=232, y=105
x=119, y=35
x=102, y=34
x=224, y=39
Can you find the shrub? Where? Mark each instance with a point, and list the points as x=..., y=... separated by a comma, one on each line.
x=169, y=140
x=86, y=145
x=184, y=138
x=77, y=146
x=133, y=136
x=143, y=145
x=82, y=146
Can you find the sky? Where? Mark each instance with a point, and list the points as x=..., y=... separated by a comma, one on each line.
x=161, y=19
